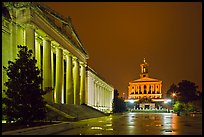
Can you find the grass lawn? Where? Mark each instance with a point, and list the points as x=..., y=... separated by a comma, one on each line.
x=16, y=126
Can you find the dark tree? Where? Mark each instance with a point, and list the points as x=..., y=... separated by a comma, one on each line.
x=23, y=101
x=187, y=91
x=173, y=89
x=118, y=103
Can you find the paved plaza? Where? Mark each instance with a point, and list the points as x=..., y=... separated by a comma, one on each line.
x=123, y=124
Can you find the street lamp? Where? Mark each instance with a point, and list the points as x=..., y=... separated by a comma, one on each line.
x=123, y=95
x=174, y=95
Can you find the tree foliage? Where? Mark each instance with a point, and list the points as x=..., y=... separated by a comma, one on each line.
x=184, y=107
x=178, y=107
x=185, y=97
x=23, y=101
x=187, y=91
x=118, y=103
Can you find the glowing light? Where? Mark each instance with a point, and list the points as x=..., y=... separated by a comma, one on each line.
x=96, y=128
x=167, y=101
x=131, y=101
x=108, y=125
x=4, y=121
x=109, y=129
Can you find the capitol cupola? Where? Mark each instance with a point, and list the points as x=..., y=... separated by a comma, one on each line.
x=144, y=69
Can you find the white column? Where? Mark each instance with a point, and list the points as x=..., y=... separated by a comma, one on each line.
x=93, y=92
x=89, y=86
x=37, y=52
x=111, y=100
x=105, y=97
x=30, y=38
x=59, y=75
x=87, y=94
x=52, y=70
x=102, y=96
x=98, y=95
x=47, y=79
x=104, y=93
x=76, y=81
x=91, y=95
x=13, y=40
x=20, y=36
x=69, y=81
x=82, y=83
x=108, y=98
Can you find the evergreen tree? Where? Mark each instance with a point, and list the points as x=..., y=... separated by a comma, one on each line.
x=23, y=101
x=118, y=103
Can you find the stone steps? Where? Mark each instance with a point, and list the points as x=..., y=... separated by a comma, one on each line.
x=73, y=112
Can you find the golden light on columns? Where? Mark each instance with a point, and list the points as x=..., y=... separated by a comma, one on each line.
x=47, y=79
x=59, y=74
x=76, y=81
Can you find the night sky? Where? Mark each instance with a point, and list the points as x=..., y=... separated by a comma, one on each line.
x=118, y=35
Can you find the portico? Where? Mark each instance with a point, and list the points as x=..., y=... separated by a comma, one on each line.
x=59, y=52
x=62, y=60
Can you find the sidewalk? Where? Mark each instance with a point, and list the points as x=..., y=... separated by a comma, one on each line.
x=41, y=130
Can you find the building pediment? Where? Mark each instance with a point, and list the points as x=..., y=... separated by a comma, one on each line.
x=62, y=24
x=145, y=79
x=50, y=22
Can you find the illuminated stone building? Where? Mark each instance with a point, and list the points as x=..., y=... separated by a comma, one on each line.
x=145, y=90
x=100, y=93
x=56, y=46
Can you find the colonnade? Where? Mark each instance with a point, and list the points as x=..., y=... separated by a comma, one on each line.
x=66, y=74
x=151, y=91
x=149, y=87
x=69, y=84
x=100, y=94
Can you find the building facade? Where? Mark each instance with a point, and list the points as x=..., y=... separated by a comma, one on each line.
x=99, y=92
x=55, y=45
x=145, y=90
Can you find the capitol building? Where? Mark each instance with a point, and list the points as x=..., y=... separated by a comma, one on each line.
x=146, y=92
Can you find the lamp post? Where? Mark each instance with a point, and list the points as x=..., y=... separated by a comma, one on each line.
x=174, y=95
x=123, y=95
